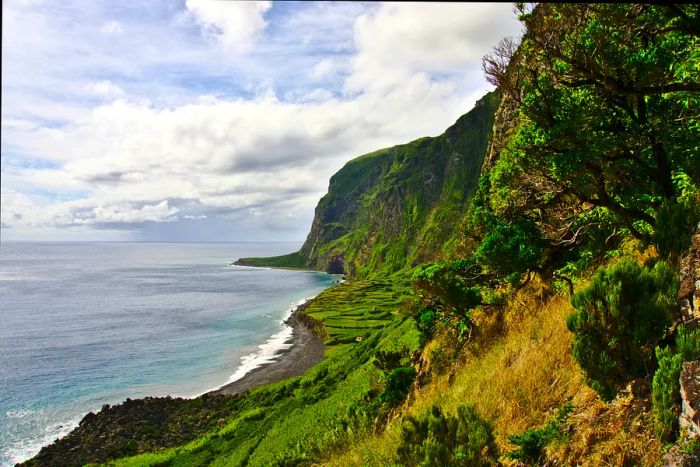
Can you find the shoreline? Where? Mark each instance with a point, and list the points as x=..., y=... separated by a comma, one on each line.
x=305, y=349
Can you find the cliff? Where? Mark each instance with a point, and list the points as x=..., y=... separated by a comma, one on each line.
x=398, y=207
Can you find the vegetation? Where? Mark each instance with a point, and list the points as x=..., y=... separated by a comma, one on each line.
x=619, y=318
x=665, y=386
x=501, y=268
x=292, y=261
x=437, y=439
x=531, y=444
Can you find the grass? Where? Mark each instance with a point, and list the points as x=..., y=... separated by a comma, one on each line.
x=291, y=261
x=518, y=372
x=355, y=309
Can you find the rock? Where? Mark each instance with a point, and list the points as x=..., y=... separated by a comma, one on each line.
x=689, y=292
x=678, y=456
x=689, y=419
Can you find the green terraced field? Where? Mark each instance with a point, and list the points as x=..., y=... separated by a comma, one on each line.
x=352, y=310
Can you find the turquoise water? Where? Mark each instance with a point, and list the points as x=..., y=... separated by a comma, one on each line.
x=86, y=324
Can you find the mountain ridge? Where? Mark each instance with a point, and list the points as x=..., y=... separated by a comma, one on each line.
x=394, y=208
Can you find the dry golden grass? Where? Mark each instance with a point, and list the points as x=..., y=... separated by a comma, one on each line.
x=517, y=372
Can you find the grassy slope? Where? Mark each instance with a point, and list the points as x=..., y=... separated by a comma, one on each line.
x=517, y=373
x=301, y=417
x=395, y=208
x=291, y=261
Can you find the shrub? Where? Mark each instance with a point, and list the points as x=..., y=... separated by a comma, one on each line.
x=618, y=319
x=533, y=441
x=442, y=283
x=688, y=343
x=398, y=383
x=665, y=389
x=511, y=249
x=426, y=319
x=437, y=439
x=665, y=395
x=388, y=359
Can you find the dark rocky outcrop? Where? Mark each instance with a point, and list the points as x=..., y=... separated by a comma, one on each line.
x=135, y=426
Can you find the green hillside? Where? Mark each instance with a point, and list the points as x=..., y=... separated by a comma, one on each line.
x=520, y=287
x=395, y=208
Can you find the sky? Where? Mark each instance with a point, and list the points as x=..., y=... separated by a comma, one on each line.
x=161, y=120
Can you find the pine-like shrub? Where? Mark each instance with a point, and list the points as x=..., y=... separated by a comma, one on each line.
x=665, y=394
x=618, y=320
x=665, y=389
x=434, y=438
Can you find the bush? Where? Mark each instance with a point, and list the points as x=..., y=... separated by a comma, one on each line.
x=436, y=439
x=511, y=249
x=665, y=389
x=398, y=383
x=665, y=393
x=688, y=343
x=533, y=441
x=426, y=319
x=387, y=360
x=618, y=319
x=442, y=284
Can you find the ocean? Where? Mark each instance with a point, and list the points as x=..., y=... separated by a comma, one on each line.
x=87, y=324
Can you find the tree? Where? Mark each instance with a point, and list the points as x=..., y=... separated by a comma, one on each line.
x=608, y=130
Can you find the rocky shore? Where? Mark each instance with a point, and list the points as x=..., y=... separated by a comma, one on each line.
x=153, y=423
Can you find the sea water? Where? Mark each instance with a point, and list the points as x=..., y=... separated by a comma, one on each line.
x=87, y=324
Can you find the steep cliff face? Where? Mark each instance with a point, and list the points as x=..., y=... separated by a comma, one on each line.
x=396, y=207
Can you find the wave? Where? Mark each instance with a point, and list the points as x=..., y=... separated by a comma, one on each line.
x=20, y=450
x=267, y=352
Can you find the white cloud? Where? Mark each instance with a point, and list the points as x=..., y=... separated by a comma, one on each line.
x=235, y=25
x=105, y=89
x=402, y=39
x=322, y=69
x=260, y=163
x=112, y=27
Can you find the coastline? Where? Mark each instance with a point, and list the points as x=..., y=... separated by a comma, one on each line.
x=304, y=350
x=86, y=442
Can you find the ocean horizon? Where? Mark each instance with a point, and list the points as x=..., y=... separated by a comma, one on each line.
x=91, y=323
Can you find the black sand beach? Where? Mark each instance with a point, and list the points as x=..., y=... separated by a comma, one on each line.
x=306, y=350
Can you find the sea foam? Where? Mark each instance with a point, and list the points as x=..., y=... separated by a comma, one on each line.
x=270, y=350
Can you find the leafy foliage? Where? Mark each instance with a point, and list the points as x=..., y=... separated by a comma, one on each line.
x=665, y=386
x=618, y=319
x=604, y=100
x=438, y=439
x=665, y=392
x=398, y=383
x=533, y=441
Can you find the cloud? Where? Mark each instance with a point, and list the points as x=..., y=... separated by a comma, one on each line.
x=105, y=90
x=112, y=27
x=322, y=69
x=235, y=25
x=186, y=151
x=402, y=39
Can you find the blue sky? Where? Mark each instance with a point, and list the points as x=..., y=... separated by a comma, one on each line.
x=214, y=120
